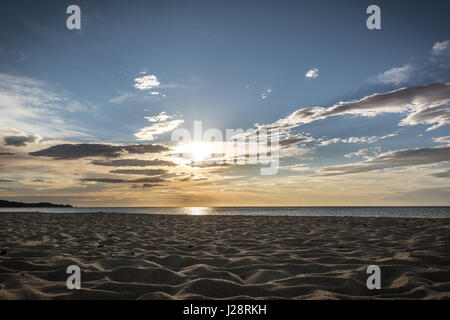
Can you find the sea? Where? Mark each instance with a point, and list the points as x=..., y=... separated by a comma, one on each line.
x=394, y=212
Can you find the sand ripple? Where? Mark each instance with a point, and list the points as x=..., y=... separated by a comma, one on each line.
x=227, y=257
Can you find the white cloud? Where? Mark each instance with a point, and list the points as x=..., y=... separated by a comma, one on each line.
x=313, y=73
x=442, y=139
x=266, y=93
x=360, y=152
x=146, y=82
x=163, y=123
x=440, y=54
x=395, y=75
x=371, y=139
x=440, y=47
x=163, y=116
x=330, y=141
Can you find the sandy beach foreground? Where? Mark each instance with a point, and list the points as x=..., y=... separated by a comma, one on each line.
x=196, y=257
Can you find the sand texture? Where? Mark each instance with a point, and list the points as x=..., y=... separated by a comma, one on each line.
x=127, y=256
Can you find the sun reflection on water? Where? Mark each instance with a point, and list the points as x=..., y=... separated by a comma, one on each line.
x=197, y=211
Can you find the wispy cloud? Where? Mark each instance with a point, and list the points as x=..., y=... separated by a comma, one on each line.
x=163, y=123
x=442, y=139
x=360, y=152
x=393, y=159
x=442, y=174
x=265, y=94
x=395, y=75
x=440, y=53
x=36, y=108
x=370, y=139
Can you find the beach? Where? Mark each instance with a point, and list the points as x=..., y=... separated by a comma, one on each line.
x=138, y=256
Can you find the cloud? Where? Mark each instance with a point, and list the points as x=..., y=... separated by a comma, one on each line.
x=440, y=47
x=133, y=163
x=20, y=141
x=146, y=82
x=443, y=174
x=148, y=185
x=148, y=172
x=114, y=180
x=395, y=75
x=163, y=123
x=124, y=96
x=34, y=106
x=6, y=180
x=162, y=116
x=440, y=54
x=330, y=141
x=371, y=139
x=83, y=150
x=442, y=139
x=313, y=73
x=298, y=167
x=266, y=93
x=393, y=159
x=294, y=140
x=360, y=152
x=434, y=70
x=434, y=115
x=425, y=104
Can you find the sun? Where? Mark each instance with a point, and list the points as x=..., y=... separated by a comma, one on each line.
x=196, y=151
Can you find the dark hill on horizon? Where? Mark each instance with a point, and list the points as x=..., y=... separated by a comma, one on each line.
x=13, y=204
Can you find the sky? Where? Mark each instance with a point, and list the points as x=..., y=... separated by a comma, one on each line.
x=360, y=116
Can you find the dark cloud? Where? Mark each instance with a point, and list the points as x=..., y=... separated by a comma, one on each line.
x=19, y=141
x=6, y=180
x=148, y=172
x=114, y=180
x=83, y=150
x=148, y=185
x=443, y=174
x=209, y=165
x=6, y=153
x=133, y=163
x=293, y=140
x=394, y=159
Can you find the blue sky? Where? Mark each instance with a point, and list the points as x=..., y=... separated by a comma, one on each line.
x=230, y=64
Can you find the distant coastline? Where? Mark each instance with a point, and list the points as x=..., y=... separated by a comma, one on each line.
x=13, y=204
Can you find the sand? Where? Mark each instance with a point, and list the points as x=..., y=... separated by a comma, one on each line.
x=222, y=257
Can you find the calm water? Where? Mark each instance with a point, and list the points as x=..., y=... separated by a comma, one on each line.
x=399, y=212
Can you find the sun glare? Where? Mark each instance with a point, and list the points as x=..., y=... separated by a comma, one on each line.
x=196, y=151
x=197, y=211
